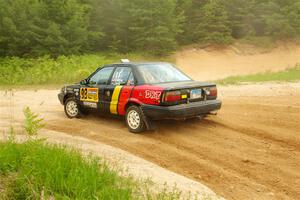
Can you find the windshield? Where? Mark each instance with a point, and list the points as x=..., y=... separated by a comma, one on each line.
x=160, y=73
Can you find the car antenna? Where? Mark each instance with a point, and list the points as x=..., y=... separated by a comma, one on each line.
x=125, y=60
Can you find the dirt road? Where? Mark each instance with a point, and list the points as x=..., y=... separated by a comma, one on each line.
x=211, y=63
x=250, y=150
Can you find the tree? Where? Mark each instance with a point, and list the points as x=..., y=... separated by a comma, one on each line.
x=64, y=27
x=16, y=23
x=111, y=17
x=240, y=16
x=154, y=25
x=215, y=25
x=182, y=11
x=192, y=13
x=292, y=12
x=38, y=27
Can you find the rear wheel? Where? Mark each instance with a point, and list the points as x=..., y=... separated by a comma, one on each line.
x=72, y=108
x=135, y=120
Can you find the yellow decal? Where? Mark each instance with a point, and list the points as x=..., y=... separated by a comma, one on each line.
x=184, y=96
x=115, y=99
x=89, y=94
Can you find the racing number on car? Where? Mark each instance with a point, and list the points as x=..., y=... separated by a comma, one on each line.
x=89, y=94
x=83, y=93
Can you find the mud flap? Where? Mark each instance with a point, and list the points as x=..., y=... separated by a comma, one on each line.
x=150, y=125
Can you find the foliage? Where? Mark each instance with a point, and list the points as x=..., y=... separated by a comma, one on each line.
x=34, y=27
x=215, y=23
x=289, y=75
x=64, y=69
x=11, y=134
x=34, y=170
x=31, y=28
x=32, y=123
x=149, y=25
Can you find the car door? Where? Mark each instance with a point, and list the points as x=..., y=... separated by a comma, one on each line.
x=118, y=91
x=92, y=94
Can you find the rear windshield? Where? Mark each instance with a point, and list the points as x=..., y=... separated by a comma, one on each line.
x=160, y=73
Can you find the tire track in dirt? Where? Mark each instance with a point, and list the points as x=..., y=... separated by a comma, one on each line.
x=220, y=159
x=250, y=150
x=193, y=154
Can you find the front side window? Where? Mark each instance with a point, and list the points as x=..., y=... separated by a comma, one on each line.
x=101, y=77
x=160, y=73
x=121, y=76
x=131, y=80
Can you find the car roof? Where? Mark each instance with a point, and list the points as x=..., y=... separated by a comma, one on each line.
x=135, y=63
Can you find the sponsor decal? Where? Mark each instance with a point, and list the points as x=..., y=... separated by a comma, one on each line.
x=151, y=94
x=90, y=104
x=89, y=94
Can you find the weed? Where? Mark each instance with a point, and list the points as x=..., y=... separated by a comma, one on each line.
x=32, y=123
x=16, y=71
x=35, y=170
x=11, y=135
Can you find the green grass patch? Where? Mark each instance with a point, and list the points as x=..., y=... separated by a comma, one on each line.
x=288, y=75
x=33, y=170
x=16, y=71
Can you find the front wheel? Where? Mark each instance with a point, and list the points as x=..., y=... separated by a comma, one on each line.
x=72, y=109
x=135, y=120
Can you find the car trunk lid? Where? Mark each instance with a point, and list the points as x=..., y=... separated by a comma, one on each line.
x=187, y=91
x=184, y=85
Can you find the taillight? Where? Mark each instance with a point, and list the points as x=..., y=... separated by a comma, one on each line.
x=172, y=96
x=213, y=91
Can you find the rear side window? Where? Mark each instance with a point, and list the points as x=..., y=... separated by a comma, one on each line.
x=101, y=77
x=122, y=76
x=160, y=73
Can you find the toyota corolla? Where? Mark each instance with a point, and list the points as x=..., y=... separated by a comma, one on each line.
x=142, y=92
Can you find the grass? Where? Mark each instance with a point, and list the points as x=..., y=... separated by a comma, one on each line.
x=33, y=170
x=288, y=75
x=37, y=170
x=16, y=71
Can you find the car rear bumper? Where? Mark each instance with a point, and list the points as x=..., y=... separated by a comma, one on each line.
x=181, y=111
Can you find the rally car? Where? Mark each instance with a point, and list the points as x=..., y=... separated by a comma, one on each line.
x=142, y=92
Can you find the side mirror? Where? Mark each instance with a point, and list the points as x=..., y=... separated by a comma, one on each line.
x=84, y=82
x=123, y=82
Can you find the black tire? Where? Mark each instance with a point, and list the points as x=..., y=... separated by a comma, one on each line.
x=135, y=119
x=76, y=112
